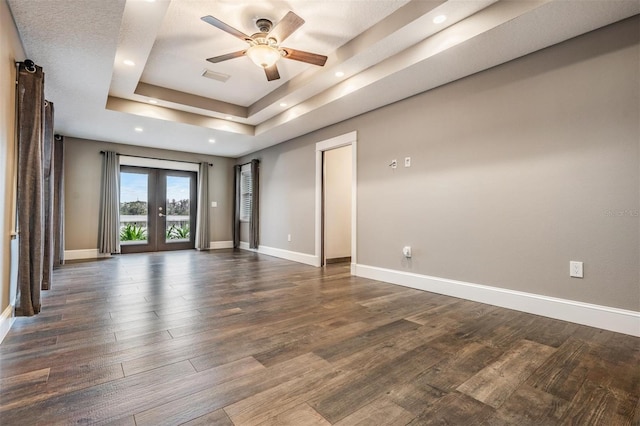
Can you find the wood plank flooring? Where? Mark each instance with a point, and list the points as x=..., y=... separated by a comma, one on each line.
x=238, y=338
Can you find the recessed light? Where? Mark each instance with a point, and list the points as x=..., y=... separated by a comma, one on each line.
x=439, y=19
x=339, y=74
x=138, y=129
x=128, y=62
x=212, y=141
x=283, y=104
x=153, y=101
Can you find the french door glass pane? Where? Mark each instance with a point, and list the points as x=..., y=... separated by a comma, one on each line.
x=134, y=208
x=178, y=207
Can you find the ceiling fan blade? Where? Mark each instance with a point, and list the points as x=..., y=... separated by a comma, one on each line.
x=228, y=56
x=272, y=72
x=302, y=56
x=224, y=27
x=286, y=27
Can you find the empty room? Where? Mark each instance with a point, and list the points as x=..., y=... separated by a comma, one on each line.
x=305, y=212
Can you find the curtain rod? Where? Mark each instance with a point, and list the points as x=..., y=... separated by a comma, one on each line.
x=244, y=164
x=155, y=158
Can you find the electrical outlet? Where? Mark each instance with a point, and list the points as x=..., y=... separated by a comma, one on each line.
x=289, y=237
x=576, y=269
x=407, y=161
x=394, y=164
x=406, y=251
x=214, y=204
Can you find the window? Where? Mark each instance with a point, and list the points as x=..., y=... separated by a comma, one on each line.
x=246, y=193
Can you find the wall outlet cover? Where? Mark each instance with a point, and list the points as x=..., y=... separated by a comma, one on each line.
x=576, y=269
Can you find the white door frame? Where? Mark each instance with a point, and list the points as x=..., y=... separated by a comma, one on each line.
x=337, y=142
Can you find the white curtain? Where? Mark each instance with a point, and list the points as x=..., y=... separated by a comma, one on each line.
x=109, y=231
x=202, y=216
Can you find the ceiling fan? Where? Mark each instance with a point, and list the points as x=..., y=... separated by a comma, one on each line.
x=264, y=46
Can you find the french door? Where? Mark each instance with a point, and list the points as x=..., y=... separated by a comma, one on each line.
x=157, y=209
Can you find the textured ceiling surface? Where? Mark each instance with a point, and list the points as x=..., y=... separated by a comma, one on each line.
x=184, y=41
x=387, y=50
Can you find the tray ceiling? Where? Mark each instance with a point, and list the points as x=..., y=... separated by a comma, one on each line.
x=385, y=51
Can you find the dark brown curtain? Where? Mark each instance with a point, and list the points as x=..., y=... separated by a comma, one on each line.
x=109, y=231
x=254, y=221
x=202, y=216
x=30, y=191
x=48, y=178
x=58, y=201
x=236, y=206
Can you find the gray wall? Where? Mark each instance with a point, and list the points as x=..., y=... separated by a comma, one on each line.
x=10, y=52
x=83, y=168
x=515, y=171
x=287, y=195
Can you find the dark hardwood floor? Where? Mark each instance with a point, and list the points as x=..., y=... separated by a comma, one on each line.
x=237, y=338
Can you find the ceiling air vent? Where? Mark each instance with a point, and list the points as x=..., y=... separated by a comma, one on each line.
x=215, y=75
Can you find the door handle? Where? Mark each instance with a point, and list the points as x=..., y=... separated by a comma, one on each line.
x=160, y=214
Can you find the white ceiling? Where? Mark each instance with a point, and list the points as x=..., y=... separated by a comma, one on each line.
x=387, y=49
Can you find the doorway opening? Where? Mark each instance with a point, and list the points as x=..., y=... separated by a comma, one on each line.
x=336, y=205
x=157, y=209
x=336, y=183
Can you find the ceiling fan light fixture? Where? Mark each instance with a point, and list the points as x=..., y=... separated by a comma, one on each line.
x=264, y=47
x=263, y=55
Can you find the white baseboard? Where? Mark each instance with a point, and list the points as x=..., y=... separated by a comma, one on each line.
x=307, y=259
x=6, y=321
x=216, y=245
x=84, y=254
x=604, y=317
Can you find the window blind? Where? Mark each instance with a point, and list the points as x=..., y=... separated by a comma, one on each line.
x=246, y=192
